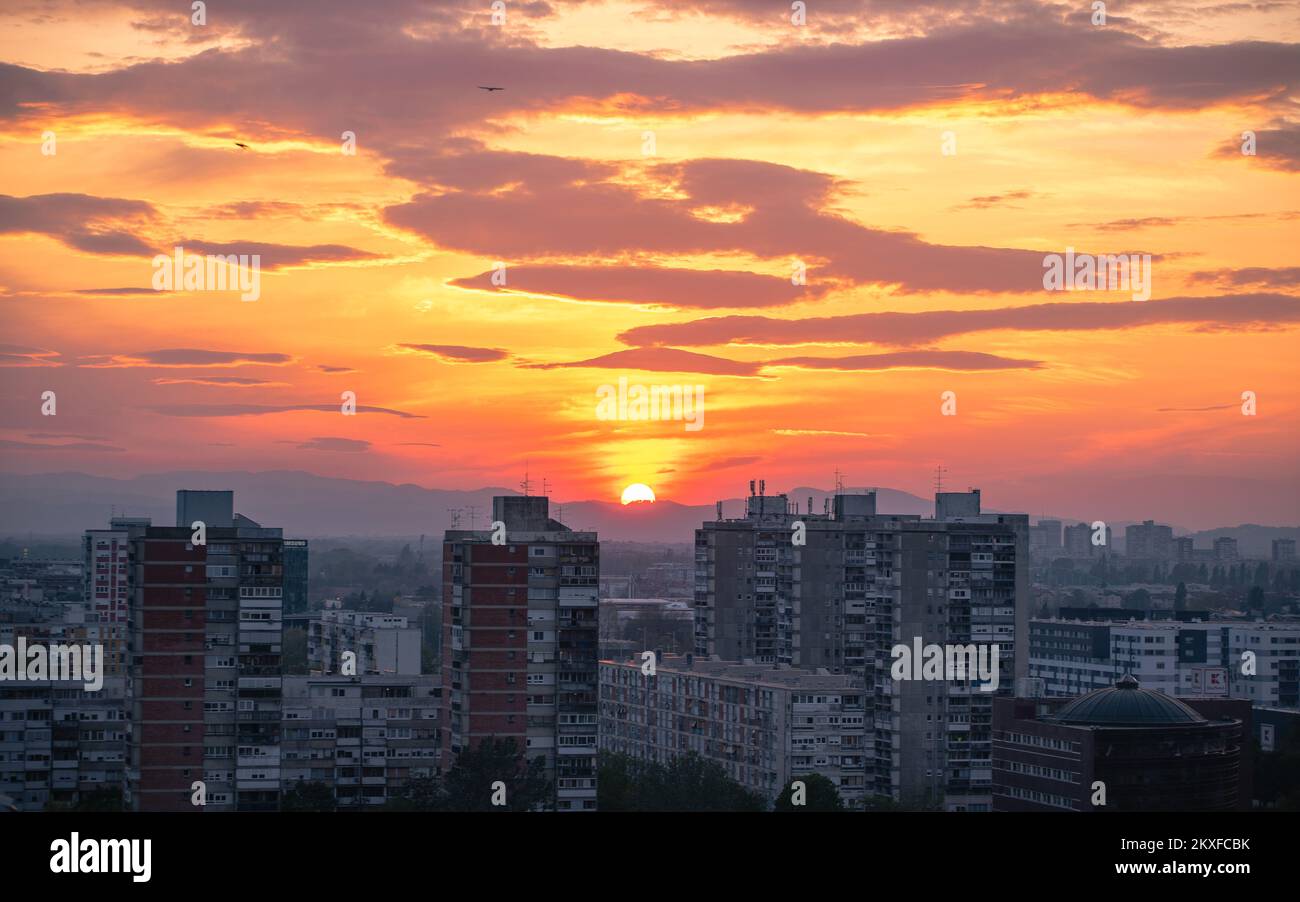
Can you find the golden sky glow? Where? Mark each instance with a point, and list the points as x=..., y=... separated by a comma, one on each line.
x=770, y=144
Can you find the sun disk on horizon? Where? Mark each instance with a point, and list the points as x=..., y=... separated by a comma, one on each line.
x=638, y=491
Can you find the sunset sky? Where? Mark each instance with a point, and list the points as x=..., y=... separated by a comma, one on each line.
x=649, y=176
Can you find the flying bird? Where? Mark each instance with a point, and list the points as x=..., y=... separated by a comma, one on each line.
x=490, y=88
x=245, y=146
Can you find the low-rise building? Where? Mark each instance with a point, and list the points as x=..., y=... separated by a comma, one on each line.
x=59, y=741
x=382, y=643
x=364, y=737
x=766, y=725
x=1122, y=748
x=1258, y=661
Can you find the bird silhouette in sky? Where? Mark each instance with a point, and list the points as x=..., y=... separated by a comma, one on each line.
x=245, y=146
x=490, y=88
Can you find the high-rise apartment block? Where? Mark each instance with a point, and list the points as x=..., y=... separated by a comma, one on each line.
x=1284, y=549
x=520, y=643
x=296, y=575
x=1225, y=549
x=1045, y=537
x=1082, y=540
x=106, y=577
x=840, y=590
x=204, y=642
x=1149, y=540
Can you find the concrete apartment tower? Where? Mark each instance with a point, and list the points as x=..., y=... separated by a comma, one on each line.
x=204, y=681
x=520, y=643
x=861, y=584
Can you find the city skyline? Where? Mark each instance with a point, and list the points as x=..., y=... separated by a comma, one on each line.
x=422, y=409
x=825, y=226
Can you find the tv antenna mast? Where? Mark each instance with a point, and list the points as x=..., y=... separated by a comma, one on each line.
x=939, y=473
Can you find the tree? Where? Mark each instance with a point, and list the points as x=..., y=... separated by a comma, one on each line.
x=102, y=798
x=1255, y=600
x=469, y=785
x=1137, y=600
x=406, y=563
x=1277, y=773
x=313, y=796
x=293, y=650
x=616, y=782
x=1180, y=597
x=416, y=794
x=687, y=783
x=883, y=803
x=820, y=794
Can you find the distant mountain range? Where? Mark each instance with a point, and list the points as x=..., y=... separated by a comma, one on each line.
x=307, y=505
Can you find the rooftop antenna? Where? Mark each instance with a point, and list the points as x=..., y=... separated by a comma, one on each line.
x=526, y=483
x=455, y=516
x=473, y=515
x=546, y=486
x=839, y=482
x=939, y=472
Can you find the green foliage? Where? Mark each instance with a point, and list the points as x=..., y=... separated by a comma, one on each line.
x=687, y=783
x=313, y=796
x=468, y=785
x=820, y=794
x=1277, y=774
x=293, y=650
x=104, y=798
x=1137, y=600
x=417, y=794
x=1255, y=600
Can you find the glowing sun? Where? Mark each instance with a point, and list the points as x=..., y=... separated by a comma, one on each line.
x=638, y=491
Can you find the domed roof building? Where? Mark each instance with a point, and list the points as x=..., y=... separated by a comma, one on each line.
x=1122, y=748
x=1126, y=704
